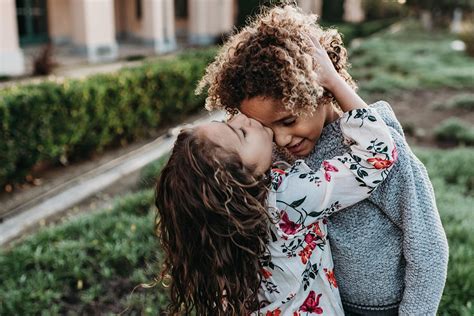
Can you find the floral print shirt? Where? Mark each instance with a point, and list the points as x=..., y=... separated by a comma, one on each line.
x=298, y=273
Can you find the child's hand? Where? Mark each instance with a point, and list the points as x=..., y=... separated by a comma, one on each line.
x=330, y=79
x=322, y=64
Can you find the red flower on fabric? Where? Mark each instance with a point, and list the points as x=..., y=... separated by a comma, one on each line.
x=276, y=312
x=306, y=252
x=309, y=238
x=331, y=278
x=380, y=163
x=279, y=177
x=265, y=273
x=278, y=171
x=317, y=230
x=287, y=226
x=296, y=314
x=311, y=304
x=328, y=168
x=394, y=154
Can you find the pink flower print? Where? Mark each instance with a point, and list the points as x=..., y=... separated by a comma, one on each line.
x=331, y=278
x=266, y=273
x=276, y=312
x=309, y=238
x=311, y=304
x=317, y=230
x=328, y=168
x=287, y=226
x=279, y=177
x=379, y=163
x=394, y=154
x=305, y=254
x=278, y=171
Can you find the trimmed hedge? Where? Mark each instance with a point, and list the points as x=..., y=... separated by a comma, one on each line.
x=455, y=131
x=60, y=121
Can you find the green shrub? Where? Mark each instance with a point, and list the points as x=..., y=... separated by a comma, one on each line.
x=454, y=167
x=467, y=36
x=84, y=264
x=55, y=121
x=410, y=59
x=461, y=101
x=458, y=219
x=455, y=131
x=350, y=31
x=376, y=9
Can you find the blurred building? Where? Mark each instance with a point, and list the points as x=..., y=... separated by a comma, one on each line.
x=98, y=29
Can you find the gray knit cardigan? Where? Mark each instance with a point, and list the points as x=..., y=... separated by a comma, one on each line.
x=390, y=251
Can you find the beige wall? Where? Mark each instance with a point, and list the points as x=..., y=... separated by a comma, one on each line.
x=78, y=17
x=93, y=22
x=8, y=26
x=11, y=56
x=353, y=11
x=210, y=18
x=59, y=20
x=311, y=6
x=126, y=18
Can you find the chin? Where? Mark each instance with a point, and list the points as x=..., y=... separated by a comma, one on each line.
x=303, y=153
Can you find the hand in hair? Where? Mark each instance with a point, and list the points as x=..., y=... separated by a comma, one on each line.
x=331, y=80
x=322, y=64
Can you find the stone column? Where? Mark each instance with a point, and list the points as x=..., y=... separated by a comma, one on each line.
x=158, y=25
x=59, y=21
x=209, y=19
x=353, y=11
x=93, y=29
x=11, y=56
x=311, y=6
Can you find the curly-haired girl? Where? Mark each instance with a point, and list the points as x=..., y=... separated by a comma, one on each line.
x=239, y=238
x=390, y=250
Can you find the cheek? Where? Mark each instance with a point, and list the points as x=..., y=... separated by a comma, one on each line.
x=312, y=128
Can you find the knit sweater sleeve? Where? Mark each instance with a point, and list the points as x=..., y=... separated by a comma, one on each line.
x=408, y=199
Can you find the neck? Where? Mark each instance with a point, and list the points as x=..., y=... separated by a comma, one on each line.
x=332, y=114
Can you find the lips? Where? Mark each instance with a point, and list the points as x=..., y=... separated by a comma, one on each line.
x=296, y=148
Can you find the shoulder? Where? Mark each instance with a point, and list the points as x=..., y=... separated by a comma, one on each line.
x=385, y=111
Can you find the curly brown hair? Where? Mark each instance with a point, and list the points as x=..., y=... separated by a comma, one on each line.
x=213, y=226
x=271, y=58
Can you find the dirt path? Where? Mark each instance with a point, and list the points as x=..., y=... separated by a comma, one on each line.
x=419, y=115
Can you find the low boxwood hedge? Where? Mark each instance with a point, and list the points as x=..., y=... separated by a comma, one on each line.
x=67, y=120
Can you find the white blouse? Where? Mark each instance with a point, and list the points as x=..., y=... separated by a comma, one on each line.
x=298, y=275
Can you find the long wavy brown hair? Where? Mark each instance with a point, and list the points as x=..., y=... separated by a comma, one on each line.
x=213, y=226
x=271, y=57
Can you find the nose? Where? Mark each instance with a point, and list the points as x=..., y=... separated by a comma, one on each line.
x=281, y=138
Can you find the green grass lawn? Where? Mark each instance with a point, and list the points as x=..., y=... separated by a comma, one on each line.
x=92, y=263
x=410, y=59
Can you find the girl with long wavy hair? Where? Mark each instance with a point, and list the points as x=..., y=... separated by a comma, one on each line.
x=242, y=238
x=390, y=250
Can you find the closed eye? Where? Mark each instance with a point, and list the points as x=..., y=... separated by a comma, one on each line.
x=289, y=121
x=244, y=133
